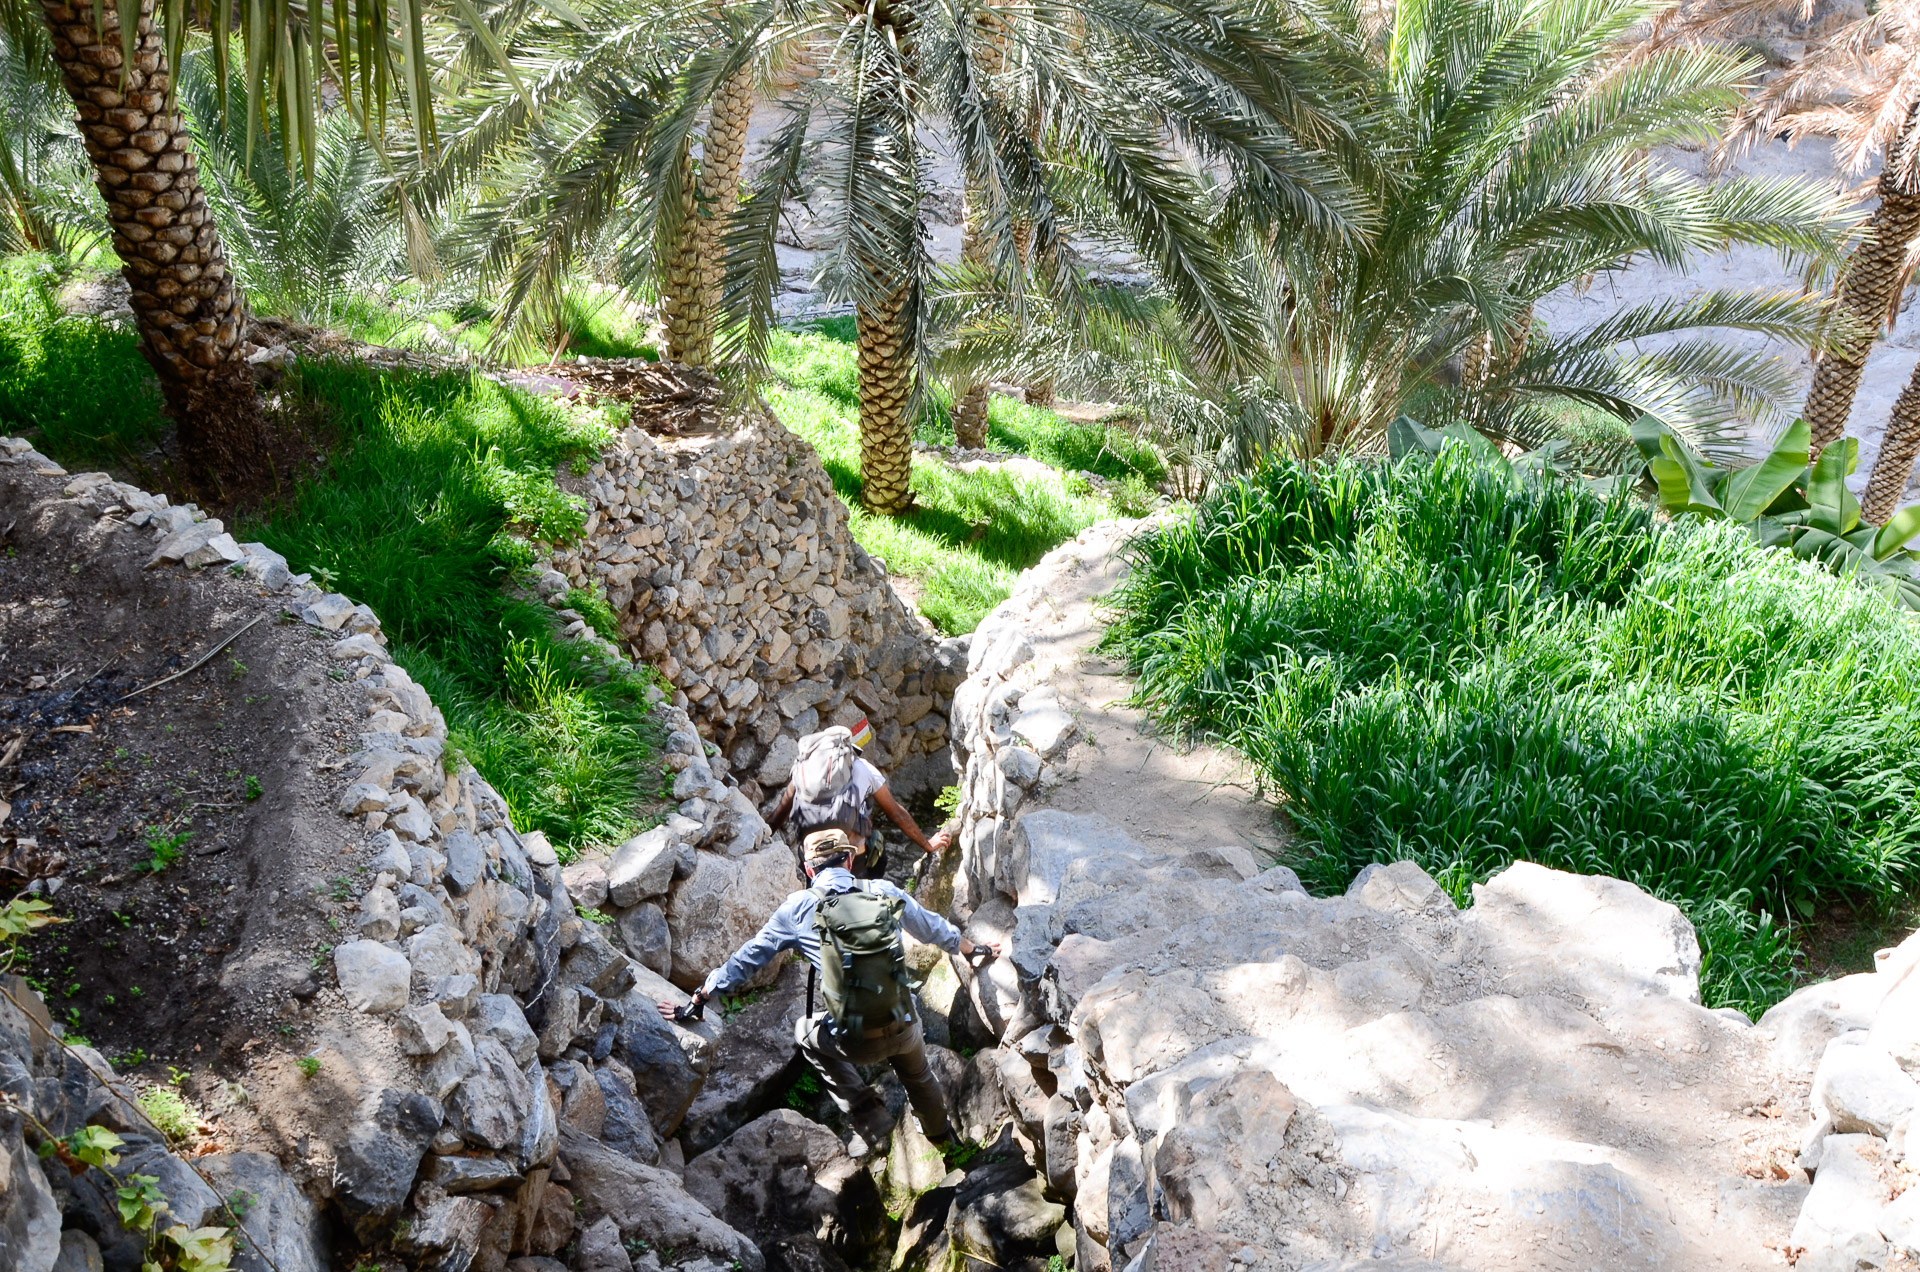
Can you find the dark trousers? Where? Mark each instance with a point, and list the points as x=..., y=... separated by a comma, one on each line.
x=900, y=1045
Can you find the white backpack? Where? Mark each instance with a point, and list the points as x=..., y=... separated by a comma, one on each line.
x=825, y=765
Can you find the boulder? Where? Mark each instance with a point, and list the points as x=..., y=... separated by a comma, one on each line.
x=665, y=1075
x=1862, y=1087
x=642, y=867
x=753, y=1062
x=499, y=1017
x=375, y=1167
x=649, y=1203
x=279, y=1226
x=1802, y=1024
x=783, y=1175
x=586, y=883
x=78, y=1253
x=1597, y=936
x=1001, y=1216
x=600, y=1249
x=625, y=1126
x=1896, y=1029
x=1230, y=1132
x=1900, y=1222
x=1839, y=1227
x=724, y=901
x=372, y=977
x=438, y=951
x=29, y=1215
x=646, y=937
x=422, y=1030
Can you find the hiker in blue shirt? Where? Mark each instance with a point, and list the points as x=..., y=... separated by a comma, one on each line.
x=831, y=1047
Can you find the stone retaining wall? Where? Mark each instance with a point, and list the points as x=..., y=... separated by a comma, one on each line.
x=729, y=565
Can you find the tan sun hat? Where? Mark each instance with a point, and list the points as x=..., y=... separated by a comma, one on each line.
x=822, y=844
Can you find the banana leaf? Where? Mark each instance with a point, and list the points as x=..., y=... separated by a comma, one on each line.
x=1750, y=491
x=1900, y=527
x=1835, y=510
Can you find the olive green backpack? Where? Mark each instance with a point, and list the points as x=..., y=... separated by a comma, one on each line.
x=863, y=965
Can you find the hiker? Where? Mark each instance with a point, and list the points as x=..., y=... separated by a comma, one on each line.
x=830, y=789
x=849, y=930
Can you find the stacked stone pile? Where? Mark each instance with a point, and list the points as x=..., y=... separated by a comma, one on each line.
x=1207, y=1066
x=1861, y=1037
x=729, y=565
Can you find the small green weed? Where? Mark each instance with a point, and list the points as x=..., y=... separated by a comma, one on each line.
x=170, y=1112
x=251, y=790
x=805, y=1091
x=309, y=1066
x=164, y=847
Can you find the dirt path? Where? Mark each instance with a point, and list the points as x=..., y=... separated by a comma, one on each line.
x=1168, y=798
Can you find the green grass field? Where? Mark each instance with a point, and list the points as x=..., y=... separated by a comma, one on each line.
x=1441, y=663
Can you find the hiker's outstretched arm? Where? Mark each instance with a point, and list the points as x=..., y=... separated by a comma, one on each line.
x=781, y=811
x=779, y=933
x=904, y=820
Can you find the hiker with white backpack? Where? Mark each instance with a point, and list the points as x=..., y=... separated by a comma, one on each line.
x=850, y=931
x=831, y=788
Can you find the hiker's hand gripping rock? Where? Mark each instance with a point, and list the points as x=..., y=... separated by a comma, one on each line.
x=695, y=1009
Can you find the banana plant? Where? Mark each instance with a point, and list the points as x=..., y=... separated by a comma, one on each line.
x=1788, y=503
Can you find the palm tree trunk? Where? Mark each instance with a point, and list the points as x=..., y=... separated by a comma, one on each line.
x=190, y=314
x=1869, y=289
x=1038, y=392
x=970, y=394
x=886, y=389
x=694, y=275
x=1893, y=467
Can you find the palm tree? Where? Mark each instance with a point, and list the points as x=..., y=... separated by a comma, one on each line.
x=1514, y=157
x=1859, y=84
x=116, y=62
x=1246, y=88
x=690, y=281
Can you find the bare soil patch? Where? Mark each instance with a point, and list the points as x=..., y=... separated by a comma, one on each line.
x=184, y=835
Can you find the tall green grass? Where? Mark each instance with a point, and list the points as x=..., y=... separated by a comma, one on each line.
x=1441, y=663
x=76, y=386
x=433, y=485
x=974, y=532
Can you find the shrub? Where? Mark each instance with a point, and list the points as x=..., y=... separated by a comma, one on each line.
x=1442, y=662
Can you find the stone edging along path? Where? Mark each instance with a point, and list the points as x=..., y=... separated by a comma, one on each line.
x=1221, y=1071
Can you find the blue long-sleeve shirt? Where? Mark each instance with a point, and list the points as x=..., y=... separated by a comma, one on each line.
x=791, y=928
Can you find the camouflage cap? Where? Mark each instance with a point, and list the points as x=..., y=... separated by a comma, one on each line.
x=824, y=844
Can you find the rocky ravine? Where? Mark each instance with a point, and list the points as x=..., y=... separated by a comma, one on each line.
x=1222, y=1072
x=486, y=1079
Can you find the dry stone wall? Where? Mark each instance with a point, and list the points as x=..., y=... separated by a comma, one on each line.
x=728, y=563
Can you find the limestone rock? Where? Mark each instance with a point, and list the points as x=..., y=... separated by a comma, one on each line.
x=1862, y=1087
x=422, y=1030
x=372, y=977
x=713, y=911
x=642, y=868
x=279, y=1225
x=1603, y=934
x=586, y=883
x=783, y=1175
x=376, y=1166
x=753, y=1061
x=499, y=1018
x=649, y=1203
x=1840, y=1223
x=647, y=938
